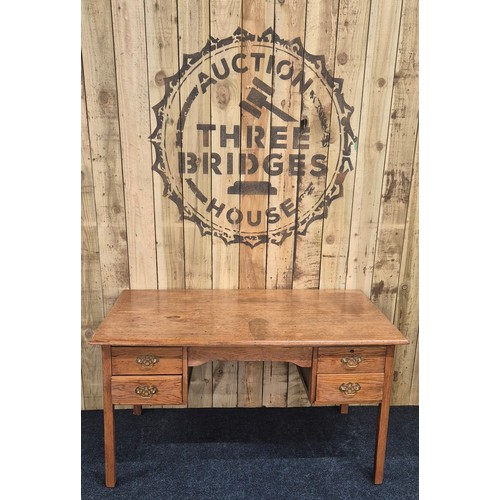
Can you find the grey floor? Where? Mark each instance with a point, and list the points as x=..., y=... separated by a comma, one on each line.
x=278, y=453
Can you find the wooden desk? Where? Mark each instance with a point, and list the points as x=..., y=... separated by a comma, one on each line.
x=342, y=344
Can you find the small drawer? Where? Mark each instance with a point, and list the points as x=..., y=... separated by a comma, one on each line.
x=146, y=360
x=153, y=390
x=342, y=389
x=351, y=359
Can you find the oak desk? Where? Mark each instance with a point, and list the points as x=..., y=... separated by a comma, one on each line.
x=342, y=344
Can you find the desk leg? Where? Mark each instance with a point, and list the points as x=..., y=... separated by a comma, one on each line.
x=109, y=418
x=383, y=418
x=137, y=410
x=344, y=409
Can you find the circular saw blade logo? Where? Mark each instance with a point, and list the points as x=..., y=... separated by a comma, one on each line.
x=292, y=159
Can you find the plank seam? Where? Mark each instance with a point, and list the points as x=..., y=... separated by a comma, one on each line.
x=83, y=380
x=239, y=201
x=239, y=164
x=328, y=149
x=270, y=148
x=210, y=162
x=181, y=149
x=92, y=180
x=151, y=145
x=299, y=149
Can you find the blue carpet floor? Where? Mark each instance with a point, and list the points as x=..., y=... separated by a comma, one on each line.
x=264, y=453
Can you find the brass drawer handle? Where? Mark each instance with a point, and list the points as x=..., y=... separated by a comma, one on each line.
x=351, y=361
x=147, y=361
x=350, y=389
x=146, y=391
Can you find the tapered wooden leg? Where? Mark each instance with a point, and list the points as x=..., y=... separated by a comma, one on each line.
x=109, y=419
x=383, y=419
x=344, y=409
x=137, y=410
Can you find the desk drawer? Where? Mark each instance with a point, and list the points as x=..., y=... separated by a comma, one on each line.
x=152, y=390
x=342, y=389
x=146, y=360
x=351, y=359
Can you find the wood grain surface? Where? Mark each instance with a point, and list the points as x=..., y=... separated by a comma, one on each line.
x=134, y=235
x=381, y=54
x=245, y=318
x=162, y=43
x=99, y=71
x=301, y=356
x=322, y=18
x=92, y=312
x=133, y=110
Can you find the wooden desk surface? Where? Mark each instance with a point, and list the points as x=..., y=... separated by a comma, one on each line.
x=245, y=318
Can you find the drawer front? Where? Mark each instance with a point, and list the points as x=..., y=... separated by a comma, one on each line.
x=351, y=359
x=146, y=390
x=146, y=360
x=342, y=389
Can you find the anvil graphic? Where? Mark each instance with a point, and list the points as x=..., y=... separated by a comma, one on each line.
x=252, y=187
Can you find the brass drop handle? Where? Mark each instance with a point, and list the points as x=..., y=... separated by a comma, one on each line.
x=349, y=389
x=147, y=360
x=351, y=361
x=146, y=391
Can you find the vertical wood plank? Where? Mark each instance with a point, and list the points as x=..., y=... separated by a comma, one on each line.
x=92, y=311
x=250, y=376
x=162, y=50
x=320, y=38
x=352, y=33
x=194, y=29
x=398, y=165
x=379, y=75
x=200, y=387
x=257, y=17
x=406, y=316
x=102, y=108
x=225, y=384
x=369, y=237
x=290, y=19
x=297, y=395
x=134, y=114
x=225, y=18
x=289, y=23
x=275, y=384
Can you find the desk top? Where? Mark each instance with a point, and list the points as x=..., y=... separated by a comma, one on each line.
x=245, y=318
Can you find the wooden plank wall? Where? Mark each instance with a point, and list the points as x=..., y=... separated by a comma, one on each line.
x=134, y=237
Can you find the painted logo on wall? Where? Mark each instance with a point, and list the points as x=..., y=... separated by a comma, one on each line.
x=295, y=164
